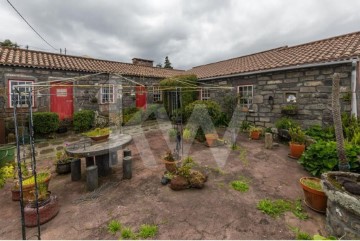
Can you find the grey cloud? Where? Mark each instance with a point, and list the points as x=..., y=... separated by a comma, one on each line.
x=190, y=32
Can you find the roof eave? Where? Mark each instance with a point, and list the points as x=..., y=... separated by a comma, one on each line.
x=283, y=69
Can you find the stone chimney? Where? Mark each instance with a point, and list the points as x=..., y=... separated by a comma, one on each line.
x=143, y=62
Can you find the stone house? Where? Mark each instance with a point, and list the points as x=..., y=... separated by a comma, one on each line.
x=64, y=84
x=298, y=75
x=265, y=82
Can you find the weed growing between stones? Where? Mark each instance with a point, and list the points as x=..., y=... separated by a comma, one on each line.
x=278, y=207
x=114, y=226
x=147, y=231
x=241, y=185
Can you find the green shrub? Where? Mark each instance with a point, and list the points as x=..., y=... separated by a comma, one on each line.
x=322, y=157
x=285, y=123
x=127, y=233
x=351, y=127
x=133, y=115
x=83, y=120
x=45, y=122
x=150, y=112
x=203, y=110
x=321, y=133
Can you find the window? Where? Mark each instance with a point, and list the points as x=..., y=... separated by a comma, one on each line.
x=21, y=93
x=205, y=94
x=157, y=94
x=245, y=95
x=107, y=94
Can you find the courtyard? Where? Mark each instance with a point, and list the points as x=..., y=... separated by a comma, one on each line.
x=216, y=211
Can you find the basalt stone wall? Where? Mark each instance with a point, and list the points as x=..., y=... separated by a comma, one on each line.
x=312, y=87
x=85, y=97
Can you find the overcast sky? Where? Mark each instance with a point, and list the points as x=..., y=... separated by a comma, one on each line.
x=191, y=33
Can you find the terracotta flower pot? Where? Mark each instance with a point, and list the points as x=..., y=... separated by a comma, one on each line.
x=29, y=190
x=15, y=194
x=296, y=150
x=255, y=135
x=314, y=199
x=170, y=166
x=211, y=138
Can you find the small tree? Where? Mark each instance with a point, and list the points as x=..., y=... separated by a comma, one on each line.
x=167, y=64
x=9, y=43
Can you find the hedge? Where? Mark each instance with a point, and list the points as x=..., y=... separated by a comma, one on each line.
x=45, y=122
x=83, y=120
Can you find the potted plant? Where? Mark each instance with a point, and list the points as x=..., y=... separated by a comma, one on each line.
x=297, y=143
x=289, y=109
x=187, y=135
x=315, y=197
x=170, y=162
x=99, y=134
x=63, y=163
x=283, y=125
x=255, y=132
x=28, y=185
x=211, y=138
x=172, y=134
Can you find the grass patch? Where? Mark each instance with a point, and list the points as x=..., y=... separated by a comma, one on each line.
x=114, y=226
x=298, y=210
x=127, y=233
x=276, y=208
x=147, y=231
x=241, y=185
x=312, y=184
x=299, y=235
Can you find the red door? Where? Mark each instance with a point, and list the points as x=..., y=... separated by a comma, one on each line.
x=140, y=97
x=61, y=100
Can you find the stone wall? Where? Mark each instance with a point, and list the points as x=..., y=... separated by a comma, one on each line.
x=86, y=97
x=312, y=87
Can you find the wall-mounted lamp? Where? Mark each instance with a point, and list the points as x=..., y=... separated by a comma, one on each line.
x=271, y=102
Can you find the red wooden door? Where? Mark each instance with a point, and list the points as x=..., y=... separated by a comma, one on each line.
x=140, y=97
x=61, y=100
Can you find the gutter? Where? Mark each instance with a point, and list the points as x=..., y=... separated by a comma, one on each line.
x=282, y=69
x=353, y=89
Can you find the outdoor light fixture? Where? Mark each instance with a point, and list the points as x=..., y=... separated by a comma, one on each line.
x=271, y=102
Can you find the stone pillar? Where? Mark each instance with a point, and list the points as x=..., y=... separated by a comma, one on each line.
x=268, y=141
x=103, y=164
x=92, y=179
x=113, y=158
x=75, y=169
x=127, y=167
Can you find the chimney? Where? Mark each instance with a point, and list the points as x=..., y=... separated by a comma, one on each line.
x=143, y=62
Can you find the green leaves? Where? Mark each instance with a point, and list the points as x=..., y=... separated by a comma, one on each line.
x=322, y=157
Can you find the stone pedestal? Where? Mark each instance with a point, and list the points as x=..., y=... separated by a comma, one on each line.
x=92, y=180
x=75, y=170
x=103, y=164
x=343, y=208
x=268, y=141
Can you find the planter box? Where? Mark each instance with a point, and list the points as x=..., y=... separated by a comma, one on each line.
x=343, y=208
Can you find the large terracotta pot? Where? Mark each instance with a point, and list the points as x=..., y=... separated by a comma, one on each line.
x=314, y=199
x=296, y=150
x=211, y=138
x=255, y=135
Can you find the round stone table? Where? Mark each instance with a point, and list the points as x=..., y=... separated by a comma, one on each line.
x=101, y=151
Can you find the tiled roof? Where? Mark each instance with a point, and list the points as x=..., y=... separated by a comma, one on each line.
x=332, y=49
x=37, y=59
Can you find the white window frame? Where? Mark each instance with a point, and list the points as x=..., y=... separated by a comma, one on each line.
x=111, y=95
x=27, y=89
x=247, y=99
x=205, y=94
x=157, y=94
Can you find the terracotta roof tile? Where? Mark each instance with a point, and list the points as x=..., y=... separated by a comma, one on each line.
x=38, y=59
x=332, y=49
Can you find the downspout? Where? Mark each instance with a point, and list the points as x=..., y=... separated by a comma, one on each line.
x=354, y=104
